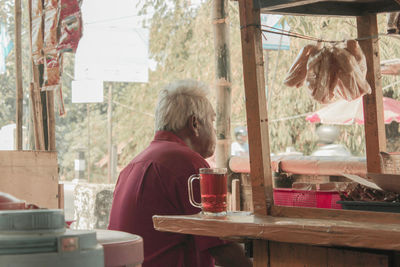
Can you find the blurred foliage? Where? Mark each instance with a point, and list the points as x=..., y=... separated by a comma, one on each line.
x=182, y=45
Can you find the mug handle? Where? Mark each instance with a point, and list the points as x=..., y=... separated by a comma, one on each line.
x=190, y=188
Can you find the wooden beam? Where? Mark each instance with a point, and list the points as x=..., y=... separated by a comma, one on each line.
x=375, y=139
x=51, y=122
x=109, y=135
x=43, y=99
x=18, y=74
x=304, y=255
x=260, y=253
x=60, y=196
x=35, y=93
x=235, y=199
x=279, y=4
x=319, y=232
x=327, y=7
x=256, y=110
x=257, y=118
x=338, y=215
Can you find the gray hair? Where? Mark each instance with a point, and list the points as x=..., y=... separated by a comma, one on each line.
x=178, y=101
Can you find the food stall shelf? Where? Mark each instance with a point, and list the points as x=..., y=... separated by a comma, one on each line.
x=330, y=8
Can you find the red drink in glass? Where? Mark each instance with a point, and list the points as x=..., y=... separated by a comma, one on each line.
x=213, y=188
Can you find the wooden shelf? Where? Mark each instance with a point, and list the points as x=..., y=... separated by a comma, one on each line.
x=321, y=232
x=324, y=7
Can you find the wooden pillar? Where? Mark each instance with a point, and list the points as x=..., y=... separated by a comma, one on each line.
x=223, y=81
x=374, y=126
x=257, y=120
x=88, y=141
x=51, y=121
x=35, y=94
x=18, y=74
x=109, y=136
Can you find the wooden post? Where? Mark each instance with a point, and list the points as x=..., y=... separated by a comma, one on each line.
x=114, y=162
x=223, y=80
x=88, y=140
x=51, y=122
x=235, y=198
x=43, y=98
x=109, y=137
x=257, y=118
x=60, y=196
x=35, y=94
x=18, y=74
x=374, y=126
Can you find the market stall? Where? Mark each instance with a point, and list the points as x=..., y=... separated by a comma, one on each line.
x=290, y=236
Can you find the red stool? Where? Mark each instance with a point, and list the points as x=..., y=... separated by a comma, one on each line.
x=121, y=249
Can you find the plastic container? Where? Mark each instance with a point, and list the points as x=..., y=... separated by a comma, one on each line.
x=306, y=198
x=371, y=206
x=328, y=200
x=295, y=197
x=38, y=238
x=121, y=249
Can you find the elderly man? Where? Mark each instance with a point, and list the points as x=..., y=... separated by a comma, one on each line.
x=155, y=182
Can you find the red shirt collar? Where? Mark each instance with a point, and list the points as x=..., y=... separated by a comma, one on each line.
x=168, y=136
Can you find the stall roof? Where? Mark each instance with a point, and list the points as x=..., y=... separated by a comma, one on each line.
x=324, y=7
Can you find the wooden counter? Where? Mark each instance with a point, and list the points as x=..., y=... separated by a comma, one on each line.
x=320, y=232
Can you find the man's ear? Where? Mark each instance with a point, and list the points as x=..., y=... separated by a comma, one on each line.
x=193, y=125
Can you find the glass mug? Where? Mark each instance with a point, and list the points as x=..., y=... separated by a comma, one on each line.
x=213, y=190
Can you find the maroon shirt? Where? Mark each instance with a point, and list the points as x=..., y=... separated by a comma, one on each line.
x=155, y=182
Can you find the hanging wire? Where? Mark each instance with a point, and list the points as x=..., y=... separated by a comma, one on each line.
x=279, y=31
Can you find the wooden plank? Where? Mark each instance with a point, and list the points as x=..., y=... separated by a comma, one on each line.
x=295, y=255
x=235, y=198
x=260, y=253
x=33, y=115
x=18, y=74
x=35, y=94
x=319, y=232
x=256, y=111
x=375, y=138
x=37, y=117
x=320, y=9
x=31, y=176
x=279, y=4
x=51, y=122
x=351, y=258
x=60, y=196
x=110, y=179
x=327, y=7
x=43, y=99
x=331, y=214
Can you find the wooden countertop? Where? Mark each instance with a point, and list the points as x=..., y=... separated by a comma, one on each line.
x=282, y=229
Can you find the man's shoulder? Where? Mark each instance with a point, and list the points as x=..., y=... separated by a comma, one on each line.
x=170, y=156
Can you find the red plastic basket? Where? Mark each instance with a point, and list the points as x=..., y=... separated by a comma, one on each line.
x=327, y=200
x=306, y=198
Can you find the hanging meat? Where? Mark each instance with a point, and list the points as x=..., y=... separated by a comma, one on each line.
x=331, y=71
x=298, y=71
